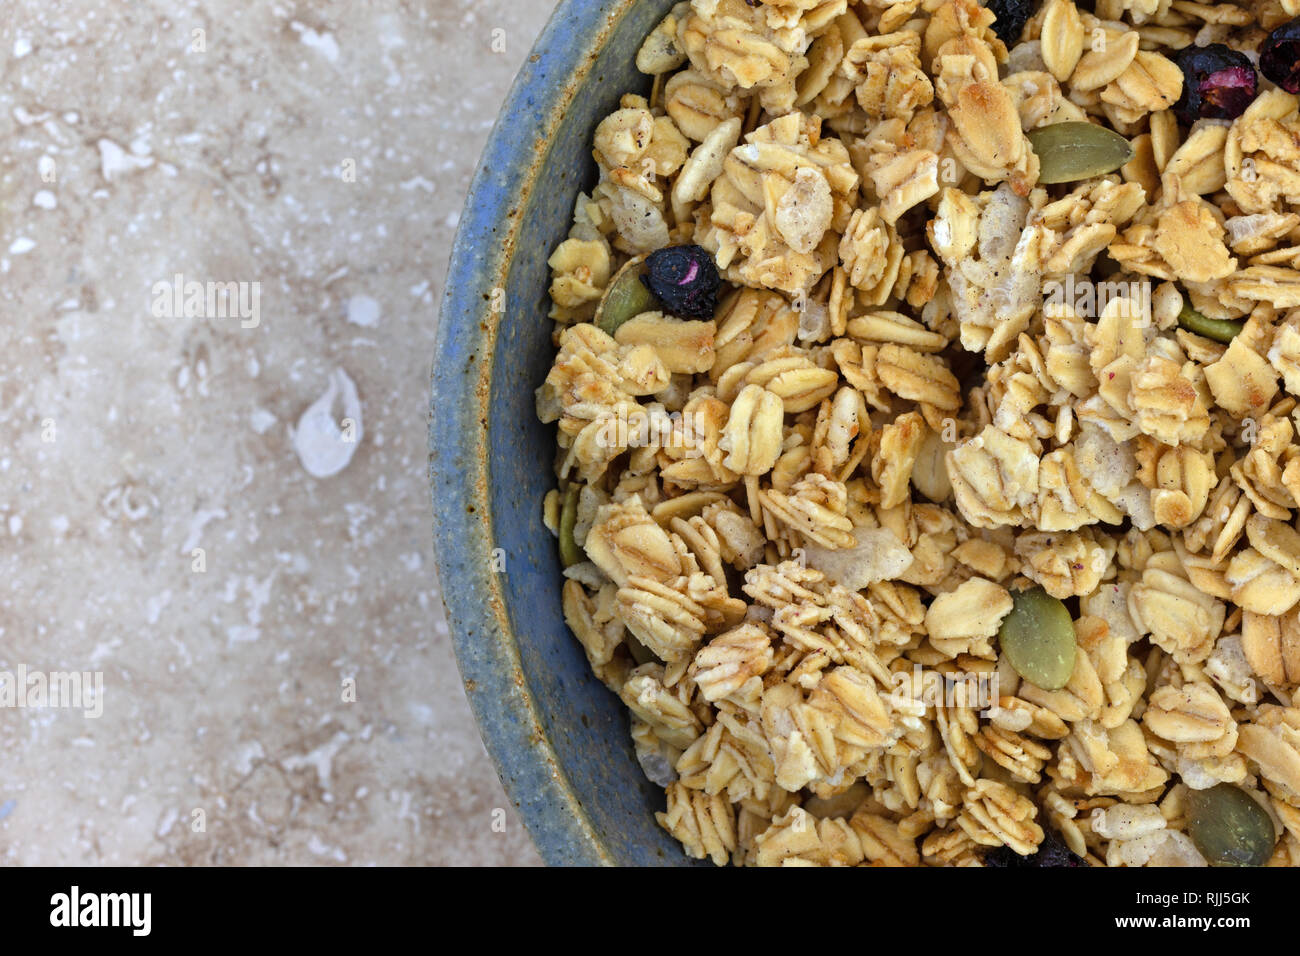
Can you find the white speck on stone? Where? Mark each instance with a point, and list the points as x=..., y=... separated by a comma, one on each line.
x=22, y=46
x=390, y=31
x=44, y=199
x=321, y=848
x=321, y=759
x=15, y=524
x=59, y=524
x=156, y=605
x=198, y=521
x=114, y=161
x=261, y=420
x=363, y=311
x=323, y=447
x=26, y=117
x=259, y=595
x=167, y=822
x=103, y=649
x=322, y=43
x=21, y=245
x=244, y=756
x=241, y=634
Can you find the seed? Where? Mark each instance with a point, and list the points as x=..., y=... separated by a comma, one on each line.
x=1221, y=330
x=570, y=553
x=626, y=298
x=1037, y=638
x=1229, y=827
x=1069, y=152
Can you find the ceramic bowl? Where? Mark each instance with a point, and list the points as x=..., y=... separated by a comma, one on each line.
x=558, y=736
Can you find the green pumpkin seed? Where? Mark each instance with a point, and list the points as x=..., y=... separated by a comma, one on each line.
x=1221, y=330
x=625, y=298
x=570, y=553
x=1069, y=152
x=1037, y=638
x=1229, y=827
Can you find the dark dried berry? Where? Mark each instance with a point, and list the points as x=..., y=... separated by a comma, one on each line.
x=1051, y=852
x=685, y=280
x=1004, y=856
x=1279, y=57
x=1012, y=15
x=1218, y=83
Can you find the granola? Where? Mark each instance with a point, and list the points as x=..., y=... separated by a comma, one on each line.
x=932, y=382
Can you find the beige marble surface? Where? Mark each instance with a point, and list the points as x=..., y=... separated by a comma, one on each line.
x=158, y=524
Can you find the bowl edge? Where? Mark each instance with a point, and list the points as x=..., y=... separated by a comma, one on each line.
x=485, y=649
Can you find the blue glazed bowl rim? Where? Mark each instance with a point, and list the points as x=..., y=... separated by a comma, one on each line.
x=473, y=596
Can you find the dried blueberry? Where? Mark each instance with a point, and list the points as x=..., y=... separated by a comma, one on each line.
x=1004, y=856
x=1279, y=57
x=685, y=280
x=1218, y=83
x=1051, y=852
x=1012, y=15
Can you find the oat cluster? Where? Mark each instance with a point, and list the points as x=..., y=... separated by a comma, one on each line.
x=810, y=534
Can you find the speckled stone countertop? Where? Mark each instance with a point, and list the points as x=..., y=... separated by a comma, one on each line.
x=277, y=680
